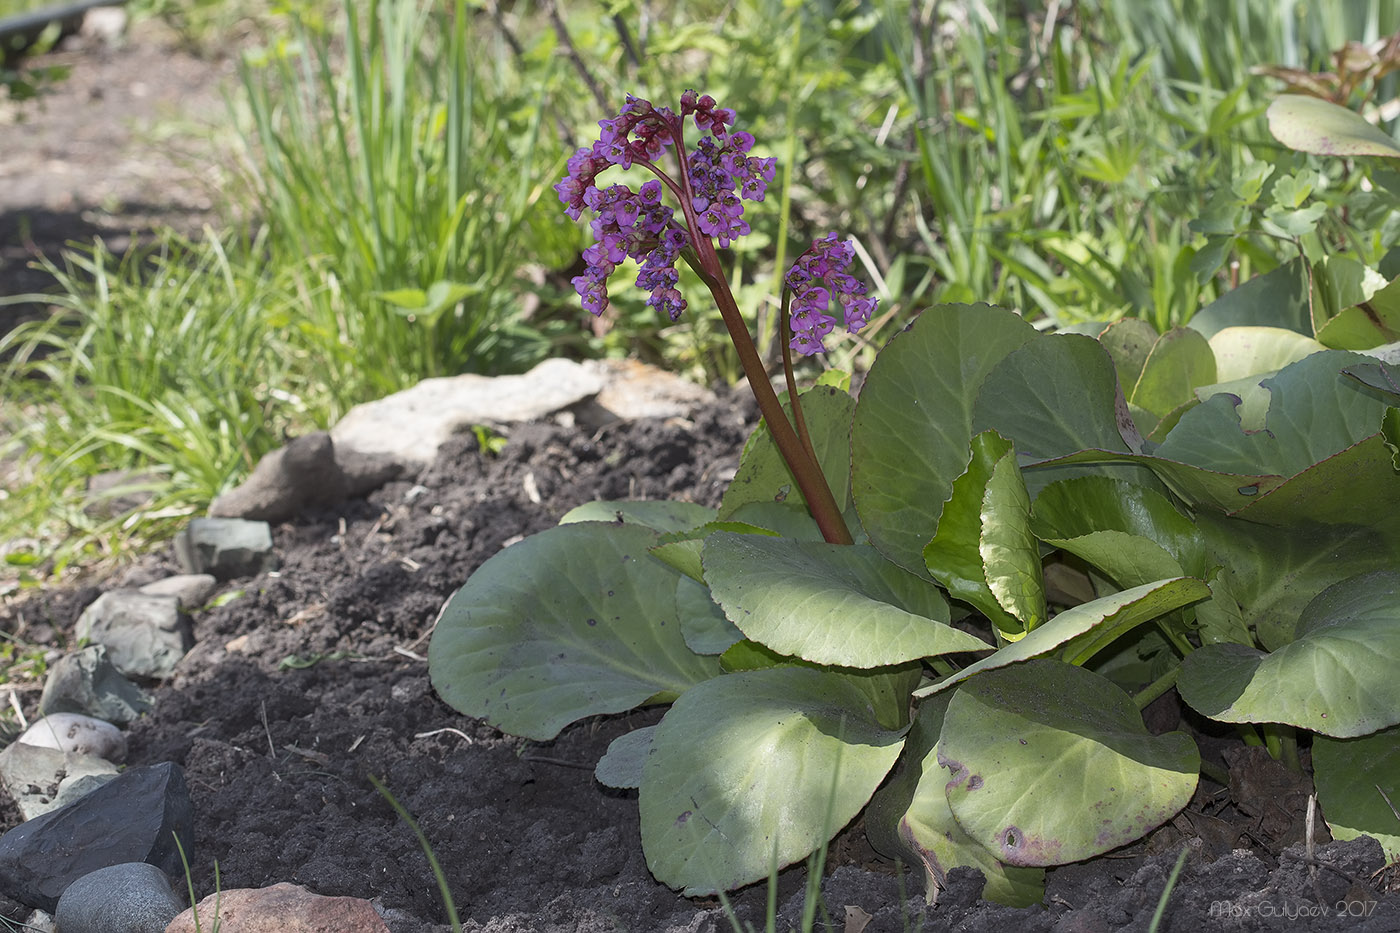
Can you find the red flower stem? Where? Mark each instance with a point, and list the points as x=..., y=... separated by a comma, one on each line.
x=805, y=469
x=785, y=340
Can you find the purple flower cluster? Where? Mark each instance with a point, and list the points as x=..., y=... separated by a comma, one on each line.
x=635, y=224
x=818, y=276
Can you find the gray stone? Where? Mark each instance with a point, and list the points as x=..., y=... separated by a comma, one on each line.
x=632, y=389
x=409, y=426
x=74, y=732
x=225, y=547
x=87, y=682
x=135, y=817
x=133, y=897
x=145, y=636
x=118, y=492
x=191, y=589
x=39, y=779
x=307, y=472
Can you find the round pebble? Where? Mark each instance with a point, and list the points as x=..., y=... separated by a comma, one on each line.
x=133, y=897
x=74, y=732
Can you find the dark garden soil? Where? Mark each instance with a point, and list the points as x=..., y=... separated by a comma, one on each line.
x=313, y=680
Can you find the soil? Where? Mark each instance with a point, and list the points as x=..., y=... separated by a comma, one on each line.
x=310, y=681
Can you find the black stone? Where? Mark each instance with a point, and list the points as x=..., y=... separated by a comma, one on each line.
x=135, y=817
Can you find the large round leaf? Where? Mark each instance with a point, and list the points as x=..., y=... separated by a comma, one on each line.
x=1078, y=507
x=663, y=515
x=1051, y=764
x=912, y=425
x=909, y=818
x=828, y=603
x=571, y=622
x=1311, y=124
x=1082, y=630
x=751, y=772
x=1358, y=780
x=1337, y=677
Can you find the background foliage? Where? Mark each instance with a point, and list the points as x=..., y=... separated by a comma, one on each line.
x=392, y=217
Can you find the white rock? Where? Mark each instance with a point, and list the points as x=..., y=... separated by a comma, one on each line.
x=409, y=426
x=73, y=732
x=31, y=775
x=191, y=589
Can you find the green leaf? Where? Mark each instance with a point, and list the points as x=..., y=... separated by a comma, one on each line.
x=1279, y=298
x=828, y=603
x=1382, y=377
x=1179, y=361
x=909, y=819
x=1128, y=342
x=763, y=475
x=913, y=423
x=1358, y=781
x=1242, y=352
x=1075, y=508
x=954, y=555
x=571, y=622
x=1314, y=412
x=1337, y=677
x=659, y=514
x=1085, y=629
x=621, y=766
x=751, y=772
x=681, y=549
x=1051, y=764
x=1010, y=553
x=703, y=623
x=1310, y=124
x=1053, y=396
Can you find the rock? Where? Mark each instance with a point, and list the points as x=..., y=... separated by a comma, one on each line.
x=41, y=780
x=135, y=817
x=282, y=908
x=633, y=389
x=145, y=636
x=133, y=897
x=306, y=472
x=74, y=732
x=225, y=547
x=408, y=427
x=118, y=492
x=191, y=589
x=106, y=24
x=87, y=682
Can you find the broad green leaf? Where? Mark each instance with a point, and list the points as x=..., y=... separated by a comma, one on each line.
x=1354, y=308
x=1084, y=629
x=954, y=555
x=703, y=623
x=1221, y=491
x=1357, y=486
x=1337, y=677
x=909, y=819
x=659, y=514
x=1279, y=298
x=1242, y=352
x=1315, y=412
x=1051, y=764
x=1009, y=551
x=621, y=766
x=1358, y=781
x=1268, y=575
x=1128, y=343
x=1051, y=397
x=1382, y=377
x=681, y=549
x=763, y=475
x=755, y=771
x=828, y=603
x=1075, y=508
x=571, y=622
x=912, y=425
x=1180, y=360
x=1311, y=124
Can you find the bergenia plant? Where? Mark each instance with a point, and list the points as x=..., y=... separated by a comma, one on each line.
x=1224, y=497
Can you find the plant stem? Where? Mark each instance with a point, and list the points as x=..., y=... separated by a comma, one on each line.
x=1155, y=689
x=784, y=336
x=805, y=469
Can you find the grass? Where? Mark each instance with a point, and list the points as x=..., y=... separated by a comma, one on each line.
x=395, y=168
